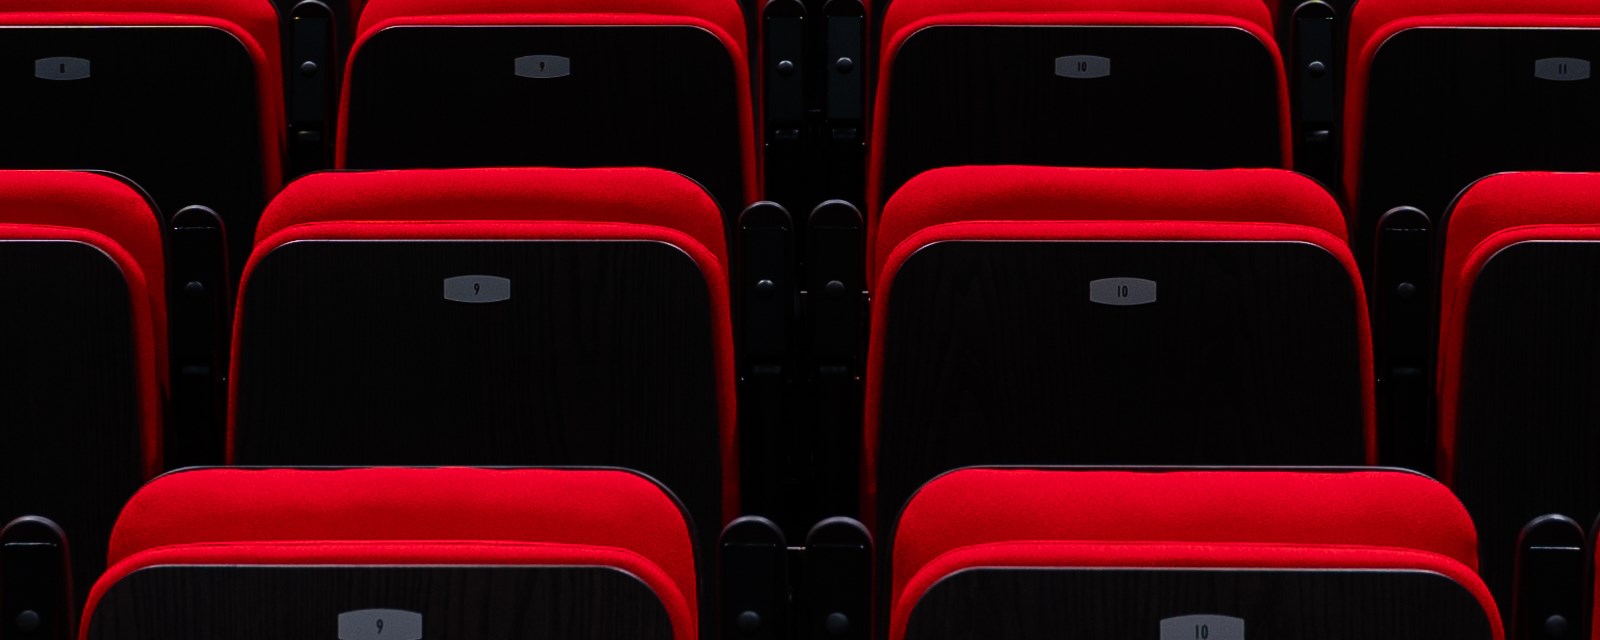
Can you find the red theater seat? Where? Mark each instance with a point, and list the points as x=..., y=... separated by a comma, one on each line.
x=1414, y=139
x=185, y=97
x=1438, y=96
x=1519, y=301
x=1092, y=83
x=646, y=83
x=580, y=553
x=1112, y=316
x=84, y=335
x=1375, y=554
x=492, y=317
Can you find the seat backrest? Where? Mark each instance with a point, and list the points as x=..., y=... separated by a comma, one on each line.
x=492, y=317
x=379, y=553
x=1441, y=94
x=1101, y=83
x=184, y=97
x=645, y=83
x=84, y=336
x=1028, y=315
x=1519, y=303
x=1186, y=553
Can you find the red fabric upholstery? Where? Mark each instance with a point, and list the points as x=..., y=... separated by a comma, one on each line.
x=1272, y=7
x=906, y=17
x=903, y=15
x=630, y=196
x=1253, y=519
x=108, y=214
x=1033, y=203
x=970, y=194
x=725, y=15
x=680, y=610
x=1373, y=22
x=253, y=22
x=1497, y=212
x=578, y=204
x=430, y=516
x=722, y=18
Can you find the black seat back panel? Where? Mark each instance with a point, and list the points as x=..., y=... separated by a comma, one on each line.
x=1199, y=604
x=644, y=96
x=436, y=602
x=1526, y=436
x=1174, y=97
x=996, y=353
x=351, y=354
x=69, y=403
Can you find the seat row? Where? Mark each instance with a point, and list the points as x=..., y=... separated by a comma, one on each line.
x=1024, y=316
x=1170, y=308
x=704, y=89
x=555, y=83
x=258, y=554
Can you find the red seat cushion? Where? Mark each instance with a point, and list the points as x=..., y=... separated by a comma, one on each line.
x=1272, y=7
x=1373, y=22
x=452, y=516
x=1039, y=194
x=905, y=17
x=724, y=15
x=1247, y=519
x=115, y=218
x=644, y=197
x=1137, y=197
x=1497, y=212
x=254, y=21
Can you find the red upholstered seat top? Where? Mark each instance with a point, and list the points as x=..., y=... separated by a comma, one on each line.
x=724, y=14
x=632, y=196
x=285, y=516
x=257, y=18
x=1497, y=212
x=93, y=202
x=1370, y=17
x=1016, y=193
x=116, y=218
x=1377, y=508
x=1020, y=517
x=906, y=13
